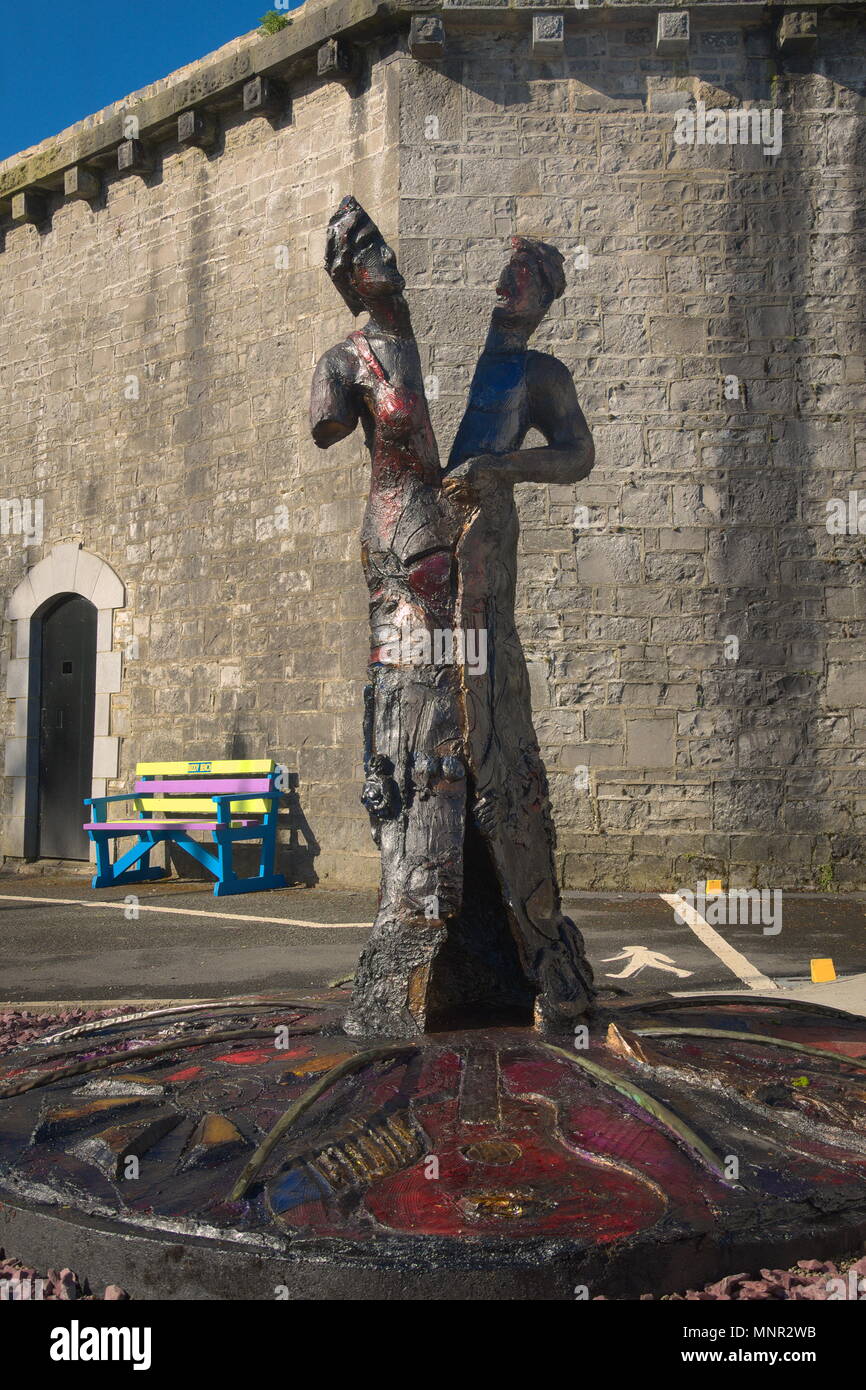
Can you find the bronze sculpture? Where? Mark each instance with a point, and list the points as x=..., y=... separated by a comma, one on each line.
x=678, y=1143
x=515, y=390
x=415, y=789
x=469, y=921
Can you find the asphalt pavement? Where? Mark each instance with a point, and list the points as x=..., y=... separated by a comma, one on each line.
x=60, y=940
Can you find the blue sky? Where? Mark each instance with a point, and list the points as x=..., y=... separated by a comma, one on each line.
x=59, y=63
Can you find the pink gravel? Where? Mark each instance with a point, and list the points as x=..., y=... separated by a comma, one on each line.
x=21, y=1026
x=814, y=1280
x=20, y=1282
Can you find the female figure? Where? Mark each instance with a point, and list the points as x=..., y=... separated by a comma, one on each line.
x=416, y=784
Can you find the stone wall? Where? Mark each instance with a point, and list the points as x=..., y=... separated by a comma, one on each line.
x=201, y=289
x=706, y=516
x=674, y=753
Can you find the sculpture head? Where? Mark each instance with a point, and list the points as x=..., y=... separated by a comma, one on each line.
x=359, y=260
x=532, y=278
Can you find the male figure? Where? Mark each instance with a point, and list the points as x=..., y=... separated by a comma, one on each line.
x=513, y=391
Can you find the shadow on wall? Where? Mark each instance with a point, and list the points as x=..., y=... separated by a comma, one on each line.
x=297, y=848
x=773, y=467
x=619, y=86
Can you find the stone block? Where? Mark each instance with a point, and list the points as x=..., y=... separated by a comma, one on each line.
x=608, y=559
x=17, y=671
x=88, y=569
x=22, y=705
x=108, y=670
x=752, y=803
x=679, y=334
x=548, y=35
x=16, y=757
x=64, y=563
x=197, y=128
x=846, y=684
x=650, y=742
x=29, y=207
x=105, y=753
x=104, y=624
x=13, y=824
x=427, y=37
x=102, y=714
x=264, y=96
x=604, y=723
x=107, y=592
x=797, y=31
x=672, y=32
x=337, y=59
x=81, y=183
x=133, y=157
x=741, y=557
x=22, y=601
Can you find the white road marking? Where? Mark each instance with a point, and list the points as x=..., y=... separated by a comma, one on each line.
x=641, y=959
x=182, y=911
x=734, y=960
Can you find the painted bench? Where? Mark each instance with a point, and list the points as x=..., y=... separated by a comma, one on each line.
x=219, y=797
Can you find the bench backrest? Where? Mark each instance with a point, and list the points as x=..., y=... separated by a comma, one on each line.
x=188, y=787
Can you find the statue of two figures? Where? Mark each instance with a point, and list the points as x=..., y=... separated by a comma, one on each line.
x=469, y=927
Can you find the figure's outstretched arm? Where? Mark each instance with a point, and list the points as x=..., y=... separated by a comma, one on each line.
x=334, y=405
x=555, y=413
x=569, y=453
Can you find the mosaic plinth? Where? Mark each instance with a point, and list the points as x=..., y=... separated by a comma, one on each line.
x=675, y=1143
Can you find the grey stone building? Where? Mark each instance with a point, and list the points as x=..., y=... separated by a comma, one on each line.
x=693, y=614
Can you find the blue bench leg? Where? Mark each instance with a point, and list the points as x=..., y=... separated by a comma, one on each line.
x=227, y=881
x=103, y=877
x=223, y=889
x=109, y=875
x=133, y=876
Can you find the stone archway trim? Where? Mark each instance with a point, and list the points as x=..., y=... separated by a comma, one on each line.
x=67, y=569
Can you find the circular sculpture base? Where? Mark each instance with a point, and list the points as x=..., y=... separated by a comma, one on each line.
x=252, y=1150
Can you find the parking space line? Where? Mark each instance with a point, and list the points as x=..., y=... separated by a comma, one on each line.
x=709, y=937
x=182, y=911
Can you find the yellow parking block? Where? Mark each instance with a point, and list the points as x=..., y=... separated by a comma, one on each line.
x=823, y=971
x=714, y=885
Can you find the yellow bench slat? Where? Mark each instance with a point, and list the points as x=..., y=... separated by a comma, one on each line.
x=262, y=766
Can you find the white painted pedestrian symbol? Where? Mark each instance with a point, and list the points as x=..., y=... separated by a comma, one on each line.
x=641, y=958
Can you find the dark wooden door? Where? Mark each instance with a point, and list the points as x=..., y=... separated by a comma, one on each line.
x=67, y=704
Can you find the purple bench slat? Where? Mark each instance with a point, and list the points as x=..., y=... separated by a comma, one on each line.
x=140, y=826
x=214, y=786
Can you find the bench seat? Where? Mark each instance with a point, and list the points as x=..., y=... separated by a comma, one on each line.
x=135, y=827
x=233, y=800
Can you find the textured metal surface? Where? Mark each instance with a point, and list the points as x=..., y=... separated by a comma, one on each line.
x=479, y=1150
x=469, y=921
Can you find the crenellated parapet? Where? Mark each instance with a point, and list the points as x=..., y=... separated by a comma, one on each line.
x=335, y=40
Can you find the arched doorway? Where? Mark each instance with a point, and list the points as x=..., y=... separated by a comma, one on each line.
x=43, y=607
x=64, y=638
